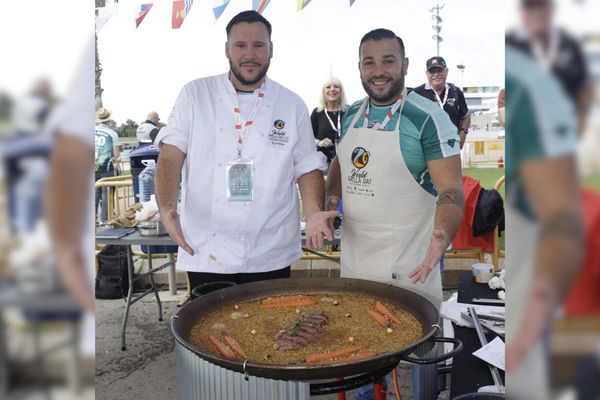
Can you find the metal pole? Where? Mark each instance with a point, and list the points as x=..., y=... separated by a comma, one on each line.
x=495, y=374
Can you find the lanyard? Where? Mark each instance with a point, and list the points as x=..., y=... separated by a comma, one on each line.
x=546, y=58
x=242, y=130
x=337, y=129
x=439, y=100
x=389, y=115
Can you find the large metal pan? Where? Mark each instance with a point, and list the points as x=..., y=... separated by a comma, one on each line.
x=421, y=308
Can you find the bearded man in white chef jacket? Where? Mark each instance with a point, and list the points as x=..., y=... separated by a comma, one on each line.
x=238, y=142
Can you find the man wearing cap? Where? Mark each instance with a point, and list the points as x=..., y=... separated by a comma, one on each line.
x=107, y=155
x=450, y=98
x=238, y=143
x=147, y=131
x=556, y=51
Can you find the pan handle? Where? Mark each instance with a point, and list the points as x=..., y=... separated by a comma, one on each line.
x=442, y=357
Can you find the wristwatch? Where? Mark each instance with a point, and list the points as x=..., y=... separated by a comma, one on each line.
x=464, y=129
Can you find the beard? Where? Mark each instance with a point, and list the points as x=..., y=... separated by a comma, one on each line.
x=394, y=91
x=246, y=82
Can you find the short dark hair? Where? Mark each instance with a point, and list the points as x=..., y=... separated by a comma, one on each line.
x=248, y=16
x=380, y=34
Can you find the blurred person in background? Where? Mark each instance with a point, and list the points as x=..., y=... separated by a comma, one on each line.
x=556, y=51
x=107, y=154
x=545, y=243
x=29, y=112
x=147, y=131
x=450, y=98
x=326, y=118
x=68, y=204
x=25, y=157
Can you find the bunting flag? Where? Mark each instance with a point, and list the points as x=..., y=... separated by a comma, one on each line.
x=181, y=8
x=259, y=5
x=220, y=7
x=352, y=2
x=144, y=10
x=302, y=4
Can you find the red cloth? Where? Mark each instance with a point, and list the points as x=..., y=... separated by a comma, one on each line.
x=584, y=297
x=464, y=239
x=178, y=13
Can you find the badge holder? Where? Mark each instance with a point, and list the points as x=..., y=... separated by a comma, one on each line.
x=239, y=180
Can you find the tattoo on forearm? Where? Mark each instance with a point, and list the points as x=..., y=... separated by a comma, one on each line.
x=452, y=196
x=563, y=224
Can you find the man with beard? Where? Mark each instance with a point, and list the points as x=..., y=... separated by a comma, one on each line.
x=398, y=173
x=238, y=142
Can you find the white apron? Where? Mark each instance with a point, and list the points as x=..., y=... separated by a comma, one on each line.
x=388, y=216
x=530, y=380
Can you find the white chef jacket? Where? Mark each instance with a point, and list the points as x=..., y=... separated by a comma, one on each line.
x=236, y=236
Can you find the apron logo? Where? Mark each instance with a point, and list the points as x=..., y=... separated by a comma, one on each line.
x=360, y=157
x=451, y=142
x=278, y=136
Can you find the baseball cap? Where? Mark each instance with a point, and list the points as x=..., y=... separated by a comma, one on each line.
x=436, y=62
x=529, y=3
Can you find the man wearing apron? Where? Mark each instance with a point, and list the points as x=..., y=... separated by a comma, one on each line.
x=398, y=172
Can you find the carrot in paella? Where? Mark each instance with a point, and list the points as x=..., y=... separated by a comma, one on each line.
x=234, y=345
x=379, y=318
x=222, y=348
x=359, y=356
x=387, y=313
x=315, y=358
x=286, y=301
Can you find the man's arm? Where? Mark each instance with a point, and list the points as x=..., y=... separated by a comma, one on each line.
x=168, y=177
x=312, y=191
x=66, y=197
x=334, y=185
x=552, y=190
x=447, y=178
x=464, y=124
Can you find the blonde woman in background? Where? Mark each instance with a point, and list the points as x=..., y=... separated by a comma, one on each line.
x=327, y=118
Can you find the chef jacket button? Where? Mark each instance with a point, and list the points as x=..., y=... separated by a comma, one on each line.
x=214, y=234
x=220, y=164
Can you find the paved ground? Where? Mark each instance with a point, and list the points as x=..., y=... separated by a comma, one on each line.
x=146, y=370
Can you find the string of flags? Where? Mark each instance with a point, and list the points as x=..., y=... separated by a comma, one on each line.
x=181, y=8
x=144, y=10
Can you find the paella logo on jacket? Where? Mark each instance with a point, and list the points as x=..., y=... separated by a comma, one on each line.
x=278, y=136
x=360, y=157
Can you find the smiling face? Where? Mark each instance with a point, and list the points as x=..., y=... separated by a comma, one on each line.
x=537, y=17
x=382, y=70
x=249, y=51
x=332, y=92
x=436, y=76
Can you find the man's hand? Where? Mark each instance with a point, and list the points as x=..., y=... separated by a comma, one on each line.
x=170, y=219
x=317, y=224
x=325, y=143
x=463, y=137
x=437, y=247
x=539, y=307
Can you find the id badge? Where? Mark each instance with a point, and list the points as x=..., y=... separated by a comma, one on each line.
x=239, y=180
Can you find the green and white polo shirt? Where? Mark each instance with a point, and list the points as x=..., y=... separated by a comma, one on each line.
x=426, y=133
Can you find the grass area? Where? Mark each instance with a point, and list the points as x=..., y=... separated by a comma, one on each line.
x=591, y=181
x=127, y=139
x=486, y=176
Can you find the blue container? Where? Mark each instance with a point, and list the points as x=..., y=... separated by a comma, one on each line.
x=139, y=159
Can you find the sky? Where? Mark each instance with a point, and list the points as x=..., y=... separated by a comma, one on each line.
x=145, y=68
